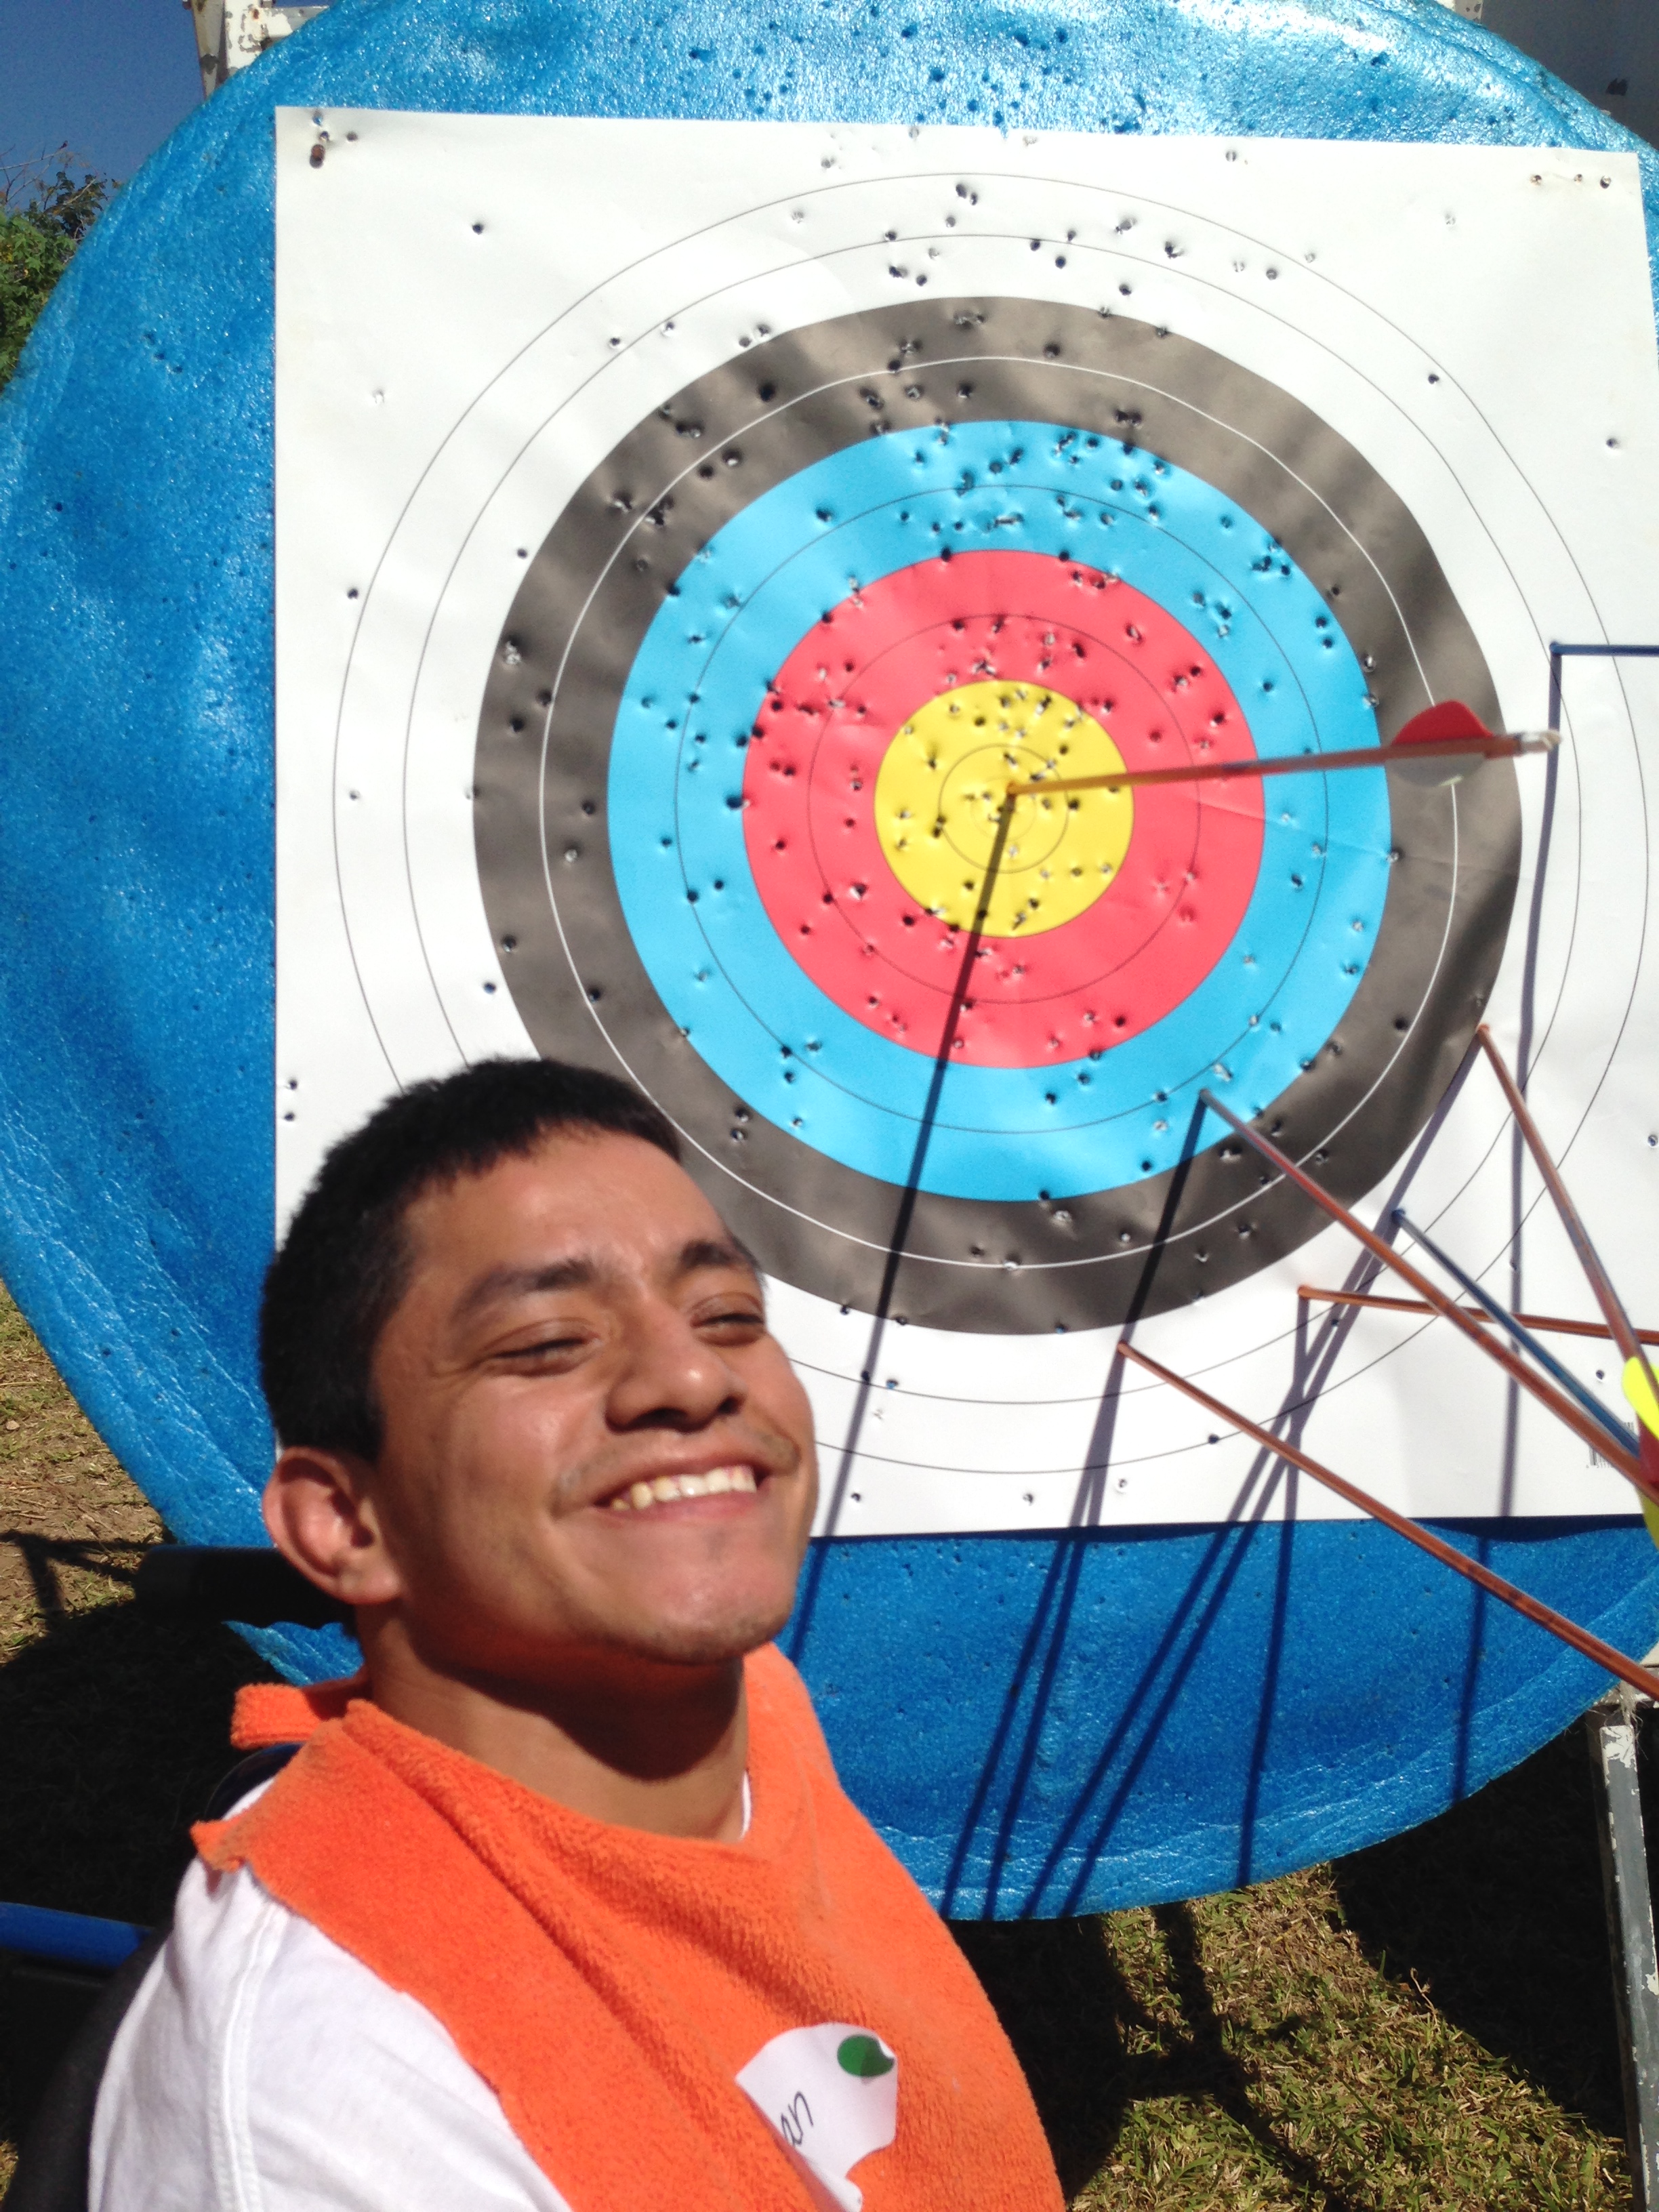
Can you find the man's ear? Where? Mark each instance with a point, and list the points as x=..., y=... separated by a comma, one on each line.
x=321, y=1516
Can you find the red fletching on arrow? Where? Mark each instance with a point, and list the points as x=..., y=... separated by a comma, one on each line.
x=1443, y=725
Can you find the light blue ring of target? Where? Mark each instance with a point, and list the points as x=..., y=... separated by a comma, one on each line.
x=699, y=682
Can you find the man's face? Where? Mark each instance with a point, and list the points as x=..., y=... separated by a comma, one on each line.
x=591, y=1442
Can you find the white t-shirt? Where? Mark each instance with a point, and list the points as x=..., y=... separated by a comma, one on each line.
x=262, y=2068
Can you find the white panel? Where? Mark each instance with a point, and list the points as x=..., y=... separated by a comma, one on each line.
x=1476, y=321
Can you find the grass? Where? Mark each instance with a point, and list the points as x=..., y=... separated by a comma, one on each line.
x=1265, y=2049
x=1428, y=2024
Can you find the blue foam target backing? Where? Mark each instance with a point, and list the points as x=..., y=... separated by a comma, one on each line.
x=1038, y=1726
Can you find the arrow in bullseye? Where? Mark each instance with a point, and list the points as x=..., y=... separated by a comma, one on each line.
x=1450, y=733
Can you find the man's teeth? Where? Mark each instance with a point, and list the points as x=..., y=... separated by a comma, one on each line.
x=715, y=1484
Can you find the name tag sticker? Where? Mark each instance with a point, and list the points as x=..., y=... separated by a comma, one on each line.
x=831, y=2094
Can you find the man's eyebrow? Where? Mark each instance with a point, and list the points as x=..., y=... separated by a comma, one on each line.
x=715, y=1252
x=503, y=1283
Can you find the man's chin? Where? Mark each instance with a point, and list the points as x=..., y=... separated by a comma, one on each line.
x=696, y=1642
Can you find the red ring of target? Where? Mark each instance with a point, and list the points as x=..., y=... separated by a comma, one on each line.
x=851, y=684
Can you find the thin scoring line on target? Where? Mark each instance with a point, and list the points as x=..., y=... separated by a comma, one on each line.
x=887, y=679
x=1067, y=366
x=1125, y=512
x=996, y=370
x=727, y=599
x=851, y=249
x=675, y=483
x=1008, y=238
x=706, y=662
x=678, y=481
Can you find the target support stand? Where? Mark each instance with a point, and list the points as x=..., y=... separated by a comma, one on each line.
x=1559, y=652
x=1621, y=1728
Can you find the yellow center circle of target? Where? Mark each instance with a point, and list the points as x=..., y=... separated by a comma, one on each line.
x=940, y=791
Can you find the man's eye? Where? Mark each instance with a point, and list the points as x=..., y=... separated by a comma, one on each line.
x=545, y=1347
x=739, y=1317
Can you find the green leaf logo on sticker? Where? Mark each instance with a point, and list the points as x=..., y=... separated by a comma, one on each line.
x=829, y=2094
x=863, y=2056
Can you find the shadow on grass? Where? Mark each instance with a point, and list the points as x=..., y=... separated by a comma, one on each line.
x=1065, y=2006
x=1495, y=1909
x=116, y=1728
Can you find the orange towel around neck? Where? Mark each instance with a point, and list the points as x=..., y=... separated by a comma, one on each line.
x=610, y=1985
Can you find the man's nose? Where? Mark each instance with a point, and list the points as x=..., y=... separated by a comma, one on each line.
x=668, y=1376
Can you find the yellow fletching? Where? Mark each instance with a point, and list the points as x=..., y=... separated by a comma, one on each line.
x=1640, y=1391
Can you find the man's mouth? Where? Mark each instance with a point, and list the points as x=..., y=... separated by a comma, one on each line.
x=664, y=1489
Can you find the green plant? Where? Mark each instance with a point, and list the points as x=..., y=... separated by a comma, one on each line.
x=46, y=208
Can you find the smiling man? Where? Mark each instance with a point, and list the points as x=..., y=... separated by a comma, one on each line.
x=559, y=1905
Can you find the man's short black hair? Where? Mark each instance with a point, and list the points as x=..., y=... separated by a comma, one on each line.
x=343, y=1265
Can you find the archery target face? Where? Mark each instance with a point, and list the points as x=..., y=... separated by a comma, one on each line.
x=656, y=640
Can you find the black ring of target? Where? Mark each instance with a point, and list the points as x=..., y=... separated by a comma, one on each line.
x=576, y=623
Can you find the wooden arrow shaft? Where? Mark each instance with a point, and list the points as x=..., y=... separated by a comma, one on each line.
x=1531, y=1608
x=1589, y=1432
x=1547, y=1324
x=1613, y=1311
x=1130, y=779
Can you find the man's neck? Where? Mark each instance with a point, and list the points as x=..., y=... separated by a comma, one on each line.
x=659, y=1748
